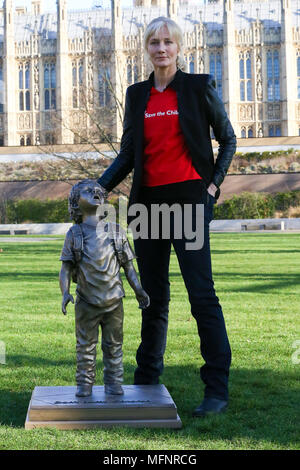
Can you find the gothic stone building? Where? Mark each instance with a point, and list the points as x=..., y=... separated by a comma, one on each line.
x=51, y=62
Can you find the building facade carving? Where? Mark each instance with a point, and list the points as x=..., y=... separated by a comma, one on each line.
x=55, y=67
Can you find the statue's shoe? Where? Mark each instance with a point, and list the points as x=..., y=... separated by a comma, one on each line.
x=113, y=389
x=84, y=390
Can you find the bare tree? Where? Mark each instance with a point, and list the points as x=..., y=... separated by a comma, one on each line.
x=97, y=107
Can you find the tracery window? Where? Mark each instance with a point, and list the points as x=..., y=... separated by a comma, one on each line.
x=275, y=131
x=191, y=63
x=77, y=83
x=50, y=85
x=273, y=75
x=104, y=85
x=215, y=69
x=24, y=86
x=132, y=70
x=245, y=77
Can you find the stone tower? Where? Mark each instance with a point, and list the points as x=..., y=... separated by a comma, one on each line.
x=9, y=74
x=288, y=63
x=118, y=65
x=230, y=85
x=62, y=71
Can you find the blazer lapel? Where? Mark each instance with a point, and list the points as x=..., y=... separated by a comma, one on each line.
x=141, y=100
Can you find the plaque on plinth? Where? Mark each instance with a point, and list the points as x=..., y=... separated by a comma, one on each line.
x=140, y=406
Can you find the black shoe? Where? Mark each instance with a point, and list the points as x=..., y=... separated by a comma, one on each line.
x=210, y=406
x=113, y=389
x=84, y=390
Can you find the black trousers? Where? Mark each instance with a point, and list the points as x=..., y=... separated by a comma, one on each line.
x=153, y=256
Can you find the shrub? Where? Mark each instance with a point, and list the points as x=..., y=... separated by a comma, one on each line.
x=36, y=211
x=256, y=205
x=246, y=206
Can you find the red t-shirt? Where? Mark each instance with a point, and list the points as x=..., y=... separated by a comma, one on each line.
x=166, y=156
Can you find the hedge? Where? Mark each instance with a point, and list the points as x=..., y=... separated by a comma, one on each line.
x=267, y=155
x=34, y=211
x=256, y=205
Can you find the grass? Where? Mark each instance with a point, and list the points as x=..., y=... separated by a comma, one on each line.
x=258, y=282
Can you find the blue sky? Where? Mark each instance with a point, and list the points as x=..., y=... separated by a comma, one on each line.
x=50, y=5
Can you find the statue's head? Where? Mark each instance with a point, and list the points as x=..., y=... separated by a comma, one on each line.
x=85, y=197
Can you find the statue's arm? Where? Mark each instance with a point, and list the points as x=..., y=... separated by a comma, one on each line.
x=64, y=282
x=133, y=280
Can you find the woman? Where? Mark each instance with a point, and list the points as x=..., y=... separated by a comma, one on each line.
x=166, y=139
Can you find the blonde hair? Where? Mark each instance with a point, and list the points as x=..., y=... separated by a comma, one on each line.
x=175, y=32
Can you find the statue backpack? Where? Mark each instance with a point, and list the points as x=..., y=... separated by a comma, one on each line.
x=78, y=245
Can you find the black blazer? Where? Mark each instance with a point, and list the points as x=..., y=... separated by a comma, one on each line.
x=199, y=108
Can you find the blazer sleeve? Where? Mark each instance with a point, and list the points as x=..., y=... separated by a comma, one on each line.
x=223, y=132
x=124, y=162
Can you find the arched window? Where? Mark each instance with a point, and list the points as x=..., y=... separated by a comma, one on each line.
x=215, y=69
x=250, y=132
x=21, y=78
x=80, y=74
x=132, y=70
x=129, y=73
x=46, y=76
x=22, y=141
x=104, y=84
x=74, y=76
x=27, y=100
x=53, y=75
x=50, y=85
x=24, y=86
x=78, y=82
x=270, y=90
x=248, y=67
x=242, y=91
x=249, y=90
x=242, y=69
x=21, y=101
x=243, y=133
x=27, y=77
x=47, y=99
x=245, y=76
x=191, y=64
x=273, y=75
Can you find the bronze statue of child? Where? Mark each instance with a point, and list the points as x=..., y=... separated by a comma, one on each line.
x=93, y=252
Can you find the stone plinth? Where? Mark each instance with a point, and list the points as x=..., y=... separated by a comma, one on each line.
x=140, y=406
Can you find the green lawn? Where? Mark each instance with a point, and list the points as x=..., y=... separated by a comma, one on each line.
x=257, y=279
